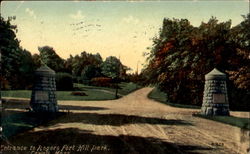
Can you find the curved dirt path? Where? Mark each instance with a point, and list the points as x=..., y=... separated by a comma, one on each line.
x=140, y=125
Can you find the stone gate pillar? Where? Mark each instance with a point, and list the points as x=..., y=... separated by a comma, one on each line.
x=215, y=97
x=43, y=98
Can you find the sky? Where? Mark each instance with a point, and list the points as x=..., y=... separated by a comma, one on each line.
x=112, y=28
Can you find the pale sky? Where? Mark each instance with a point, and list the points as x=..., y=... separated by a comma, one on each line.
x=121, y=29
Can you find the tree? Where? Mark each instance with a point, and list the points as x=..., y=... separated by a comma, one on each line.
x=26, y=69
x=68, y=64
x=182, y=54
x=9, y=46
x=112, y=67
x=79, y=62
x=36, y=60
x=50, y=58
x=90, y=71
x=240, y=36
x=16, y=63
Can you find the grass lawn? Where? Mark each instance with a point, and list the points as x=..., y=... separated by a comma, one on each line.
x=243, y=123
x=126, y=88
x=93, y=93
x=16, y=93
x=159, y=96
x=62, y=95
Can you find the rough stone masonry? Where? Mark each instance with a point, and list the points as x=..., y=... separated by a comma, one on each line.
x=215, y=96
x=43, y=98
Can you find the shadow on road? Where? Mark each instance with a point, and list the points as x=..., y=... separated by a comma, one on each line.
x=14, y=122
x=24, y=104
x=73, y=107
x=114, y=119
x=107, y=144
x=21, y=122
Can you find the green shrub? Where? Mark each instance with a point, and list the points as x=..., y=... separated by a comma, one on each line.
x=64, y=81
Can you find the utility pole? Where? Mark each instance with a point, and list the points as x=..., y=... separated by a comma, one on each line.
x=119, y=76
x=137, y=74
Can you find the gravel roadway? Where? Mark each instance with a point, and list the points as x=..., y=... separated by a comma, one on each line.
x=137, y=124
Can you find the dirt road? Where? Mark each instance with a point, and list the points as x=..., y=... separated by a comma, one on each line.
x=136, y=124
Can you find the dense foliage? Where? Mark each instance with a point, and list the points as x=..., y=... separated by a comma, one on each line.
x=18, y=65
x=111, y=67
x=50, y=58
x=76, y=64
x=182, y=54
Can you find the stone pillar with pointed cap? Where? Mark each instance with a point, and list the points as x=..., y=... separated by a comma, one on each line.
x=215, y=96
x=43, y=98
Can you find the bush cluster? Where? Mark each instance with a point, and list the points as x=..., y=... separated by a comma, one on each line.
x=101, y=81
x=64, y=81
